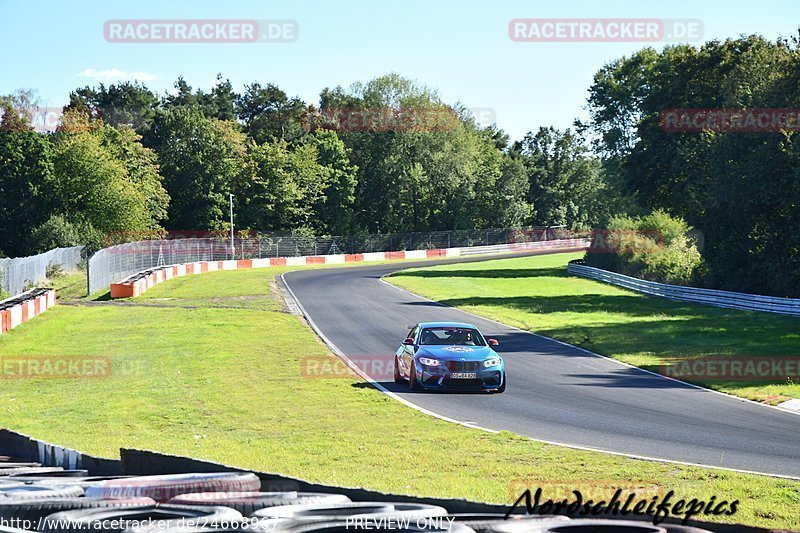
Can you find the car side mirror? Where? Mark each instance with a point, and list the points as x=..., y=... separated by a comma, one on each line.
x=409, y=342
x=494, y=342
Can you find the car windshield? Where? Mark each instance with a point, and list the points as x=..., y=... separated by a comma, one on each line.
x=451, y=336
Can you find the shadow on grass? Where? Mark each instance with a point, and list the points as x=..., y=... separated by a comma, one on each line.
x=559, y=272
x=104, y=297
x=625, y=304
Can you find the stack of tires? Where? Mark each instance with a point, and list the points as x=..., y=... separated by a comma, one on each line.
x=53, y=500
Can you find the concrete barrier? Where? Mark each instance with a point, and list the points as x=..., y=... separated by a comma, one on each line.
x=23, y=307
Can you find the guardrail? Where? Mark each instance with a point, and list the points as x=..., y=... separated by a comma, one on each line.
x=141, y=281
x=716, y=298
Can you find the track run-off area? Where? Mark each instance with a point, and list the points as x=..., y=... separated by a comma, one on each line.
x=557, y=393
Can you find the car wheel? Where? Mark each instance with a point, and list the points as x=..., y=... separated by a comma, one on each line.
x=398, y=378
x=413, y=384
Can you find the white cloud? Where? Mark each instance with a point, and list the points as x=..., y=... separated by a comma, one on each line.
x=115, y=74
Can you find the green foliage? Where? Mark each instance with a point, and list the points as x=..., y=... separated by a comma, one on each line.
x=269, y=114
x=565, y=183
x=125, y=162
x=741, y=190
x=58, y=232
x=429, y=169
x=280, y=186
x=656, y=247
x=334, y=209
x=103, y=178
x=125, y=103
x=26, y=169
x=201, y=159
x=53, y=271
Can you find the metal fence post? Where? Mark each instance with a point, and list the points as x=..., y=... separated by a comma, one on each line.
x=88, y=274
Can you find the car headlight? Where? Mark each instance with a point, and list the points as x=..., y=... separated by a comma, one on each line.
x=429, y=362
x=494, y=361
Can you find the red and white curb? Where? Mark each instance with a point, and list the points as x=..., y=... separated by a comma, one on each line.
x=23, y=307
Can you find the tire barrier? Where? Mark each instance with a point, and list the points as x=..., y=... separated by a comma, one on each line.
x=164, y=488
x=23, y=307
x=248, y=503
x=79, y=473
x=117, y=520
x=140, y=282
x=15, y=444
x=498, y=523
x=27, y=470
x=46, y=479
x=339, y=510
x=58, y=500
x=37, y=492
x=37, y=510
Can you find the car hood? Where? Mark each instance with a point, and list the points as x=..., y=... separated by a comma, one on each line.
x=457, y=353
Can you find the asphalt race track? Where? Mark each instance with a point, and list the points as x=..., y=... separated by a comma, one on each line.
x=556, y=392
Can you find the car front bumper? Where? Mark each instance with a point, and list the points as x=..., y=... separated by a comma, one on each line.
x=441, y=378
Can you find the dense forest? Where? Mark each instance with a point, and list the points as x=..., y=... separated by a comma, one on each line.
x=389, y=156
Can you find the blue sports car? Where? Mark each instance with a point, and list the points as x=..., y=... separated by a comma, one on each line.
x=439, y=355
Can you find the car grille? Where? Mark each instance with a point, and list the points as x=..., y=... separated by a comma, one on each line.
x=462, y=366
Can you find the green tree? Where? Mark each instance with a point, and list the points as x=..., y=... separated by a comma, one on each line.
x=124, y=103
x=103, y=178
x=281, y=187
x=740, y=190
x=220, y=102
x=26, y=168
x=269, y=114
x=422, y=165
x=334, y=209
x=565, y=182
x=201, y=159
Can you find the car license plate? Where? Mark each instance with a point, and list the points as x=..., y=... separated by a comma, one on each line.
x=464, y=375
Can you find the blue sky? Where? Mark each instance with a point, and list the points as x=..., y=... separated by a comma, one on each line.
x=461, y=48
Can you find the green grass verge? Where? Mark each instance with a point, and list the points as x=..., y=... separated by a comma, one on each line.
x=69, y=285
x=208, y=366
x=537, y=294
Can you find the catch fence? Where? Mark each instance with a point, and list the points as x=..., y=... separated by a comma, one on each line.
x=22, y=273
x=114, y=263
